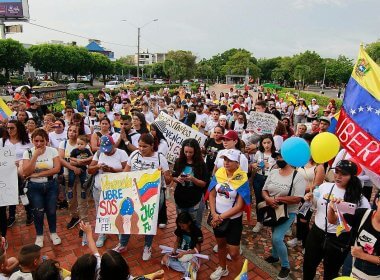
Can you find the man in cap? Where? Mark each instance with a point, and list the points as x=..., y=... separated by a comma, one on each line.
x=34, y=109
x=324, y=124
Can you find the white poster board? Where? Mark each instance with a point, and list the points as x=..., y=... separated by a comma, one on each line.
x=175, y=133
x=262, y=123
x=8, y=177
x=129, y=202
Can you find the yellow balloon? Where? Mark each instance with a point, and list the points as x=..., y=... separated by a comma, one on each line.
x=63, y=102
x=324, y=147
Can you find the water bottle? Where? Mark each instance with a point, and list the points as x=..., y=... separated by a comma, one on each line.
x=305, y=208
x=316, y=193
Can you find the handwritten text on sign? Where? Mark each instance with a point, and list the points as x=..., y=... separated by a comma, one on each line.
x=262, y=123
x=8, y=177
x=129, y=202
x=175, y=133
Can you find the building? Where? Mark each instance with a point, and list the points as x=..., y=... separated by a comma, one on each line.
x=95, y=46
x=147, y=58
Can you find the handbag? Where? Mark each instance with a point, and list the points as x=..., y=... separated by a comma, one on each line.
x=275, y=216
x=222, y=226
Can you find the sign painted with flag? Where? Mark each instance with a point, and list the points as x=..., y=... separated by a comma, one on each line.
x=5, y=112
x=358, y=126
x=129, y=202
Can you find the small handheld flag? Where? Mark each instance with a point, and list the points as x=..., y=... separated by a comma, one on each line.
x=244, y=272
x=5, y=112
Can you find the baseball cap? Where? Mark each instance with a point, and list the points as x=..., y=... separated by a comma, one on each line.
x=222, y=117
x=347, y=167
x=231, y=154
x=231, y=135
x=106, y=144
x=324, y=119
x=101, y=109
x=236, y=110
x=34, y=99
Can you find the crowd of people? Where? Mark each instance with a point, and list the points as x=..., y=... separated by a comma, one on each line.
x=59, y=153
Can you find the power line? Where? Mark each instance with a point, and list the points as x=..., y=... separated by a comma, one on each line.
x=80, y=36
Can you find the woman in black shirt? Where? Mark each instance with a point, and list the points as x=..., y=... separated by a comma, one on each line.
x=213, y=146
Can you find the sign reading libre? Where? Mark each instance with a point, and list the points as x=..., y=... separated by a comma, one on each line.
x=175, y=133
x=8, y=177
x=129, y=202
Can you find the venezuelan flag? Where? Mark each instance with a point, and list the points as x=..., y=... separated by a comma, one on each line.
x=148, y=185
x=244, y=272
x=238, y=181
x=5, y=112
x=333, y=123
x=358, y=128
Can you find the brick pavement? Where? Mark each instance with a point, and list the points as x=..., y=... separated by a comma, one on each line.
x=71, y=248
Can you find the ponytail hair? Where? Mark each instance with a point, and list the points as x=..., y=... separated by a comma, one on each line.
x=353, y=192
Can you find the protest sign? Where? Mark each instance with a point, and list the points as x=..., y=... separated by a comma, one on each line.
x=8, y=177
x=129, y=202
x=262, y=123
x=175, y=133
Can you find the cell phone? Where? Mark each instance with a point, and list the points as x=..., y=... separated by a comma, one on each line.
x=184, y=175
x=346, y=207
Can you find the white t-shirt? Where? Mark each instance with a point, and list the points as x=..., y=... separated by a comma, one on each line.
x=259, y=157
x=113, y=161
x=110, y=116
x=225, y=199
x=135, y=137
x=337, y=192
x=18, y=275
x=313, y=111
x=20, y=148
x=3, y=277
x=137, y=162
x=278, y=140
x=44, y=162
x=163, y=147
x=210, y=125
x=220, y=161
x=278, y=185
x=201, y=118
x=55, y=138
x=149, y=117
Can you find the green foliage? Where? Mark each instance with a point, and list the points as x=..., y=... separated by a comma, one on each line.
x=179, y=65
x=238, y=64
x=338, y=70
x=101, y=65
x=373, y=49
x=13, y=56
x=204, y=70
x=267, y=66
x=309, y=66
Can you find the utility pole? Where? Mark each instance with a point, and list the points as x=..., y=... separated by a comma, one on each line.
x=138, y=53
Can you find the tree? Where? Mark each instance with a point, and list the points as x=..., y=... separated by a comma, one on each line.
x=302, y=73
x=239, y=62
x=101, y=65
x=180, y=65
x=204, y=70
x=267, y=65
x=13, y=56
x=78, y=60
x=315, y=66
x=338, y=70
x=373, y=49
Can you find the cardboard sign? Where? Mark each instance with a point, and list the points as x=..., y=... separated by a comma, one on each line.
x=175, y=133
x=8, y=177
x=129, y=202
x=262, y=123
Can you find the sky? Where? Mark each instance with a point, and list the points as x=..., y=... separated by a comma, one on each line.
x=207, y=27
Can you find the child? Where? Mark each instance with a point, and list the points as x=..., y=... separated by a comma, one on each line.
x=7, y=266
x=189, y=239
x=29, y=259
x=79, y=156
x=110, y=266
x=48, y=270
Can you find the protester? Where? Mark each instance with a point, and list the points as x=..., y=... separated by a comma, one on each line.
x=41, y=165
x=322, y=241
x=29, y=258
x=283, y=186
x=105, y=129
x=159, y=139
x=139, y=123
x=58, y=135
x=190, y=174
x=212, y=147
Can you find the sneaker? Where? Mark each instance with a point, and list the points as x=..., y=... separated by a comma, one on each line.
x=219, y=273
x=292, y=243
x=289, y=232
x=120, y=248
x=101, y=239
x=80, y=234
x=11, y=222
x=39, y=241
x=147, y=254
x=271, y=259
x=55, y=239
x=73, y=223
x=284, y=273
x=258, y=227
x=63, y=205
x=162, y=226
x=215, y=249
x=29, y=220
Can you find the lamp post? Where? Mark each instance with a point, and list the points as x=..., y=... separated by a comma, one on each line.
x=138, y=42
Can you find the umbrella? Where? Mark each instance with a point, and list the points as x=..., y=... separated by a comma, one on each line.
x=273, y=86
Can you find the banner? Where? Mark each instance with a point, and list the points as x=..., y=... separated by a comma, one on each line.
x=5, y=112
x=262, y=123
x=358, y=128
x=8, y=177
x=175, y=133
x=14, y=9
x=129, y=202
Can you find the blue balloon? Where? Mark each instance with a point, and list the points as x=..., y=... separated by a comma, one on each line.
x=295, y=151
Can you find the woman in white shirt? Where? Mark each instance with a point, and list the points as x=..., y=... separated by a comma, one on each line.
x=313, y=110
x=41, y=165
x=322, y=241
x=159, y=139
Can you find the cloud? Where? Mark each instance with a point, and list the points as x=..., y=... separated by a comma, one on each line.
x=302, y=4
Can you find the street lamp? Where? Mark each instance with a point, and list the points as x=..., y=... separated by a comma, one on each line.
x=138, y=42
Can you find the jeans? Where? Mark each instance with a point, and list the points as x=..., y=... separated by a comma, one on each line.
x=258, y=184
x=279, y=249
x=82, y=177
x=78, y=206
x=196, y=212
x=43, y=199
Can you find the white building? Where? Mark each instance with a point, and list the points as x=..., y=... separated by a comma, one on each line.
x=147, y=58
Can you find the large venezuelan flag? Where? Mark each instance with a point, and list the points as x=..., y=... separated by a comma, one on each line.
x=358, y=127
x=5, y=112
x=244, y=272
x=238, y=182
x=148, y=185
